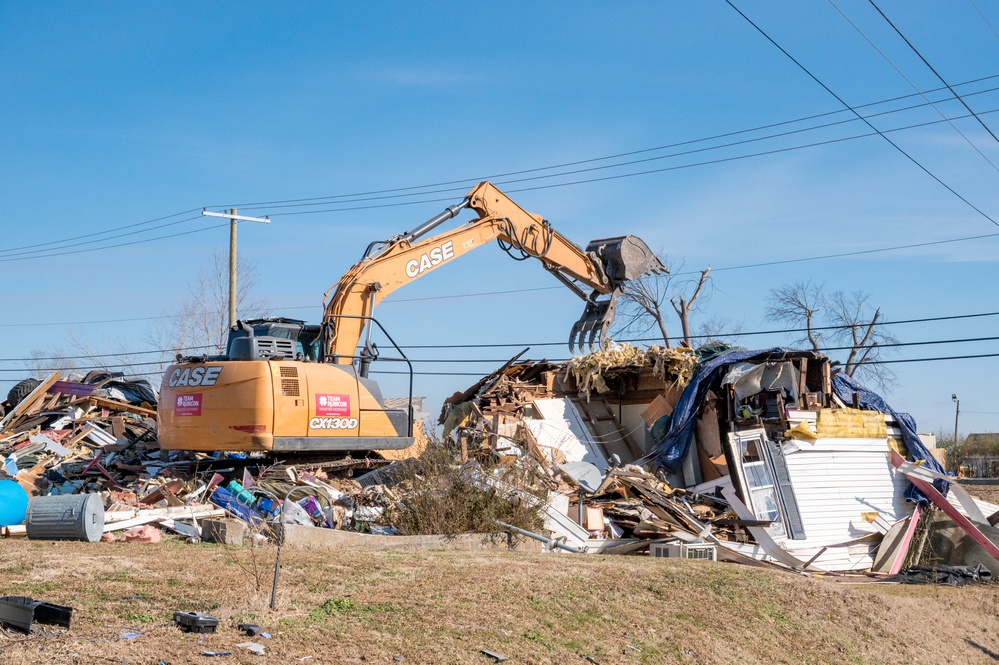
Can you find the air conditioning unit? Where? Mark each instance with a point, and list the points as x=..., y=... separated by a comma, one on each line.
x=698, y=551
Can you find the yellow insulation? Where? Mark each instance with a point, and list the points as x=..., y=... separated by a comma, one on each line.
x=676, y=364
x=851, y=424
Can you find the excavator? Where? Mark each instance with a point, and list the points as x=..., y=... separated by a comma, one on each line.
x=284, y=386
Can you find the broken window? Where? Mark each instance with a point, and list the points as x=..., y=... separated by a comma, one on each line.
x=766, y=485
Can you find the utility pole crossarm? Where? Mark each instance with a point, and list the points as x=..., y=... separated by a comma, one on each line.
x=233, y=216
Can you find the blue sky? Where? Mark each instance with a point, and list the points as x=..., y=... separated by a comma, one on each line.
x=113, y=114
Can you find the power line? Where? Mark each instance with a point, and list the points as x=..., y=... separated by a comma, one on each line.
x=987, y=22
x=318, y=200
x=97, y=233
x=866, y=362
x=954, y=317
x=64, y=241
x=913, y=85
x=935, y=72
x=862, y=118
x=12, y=255
x=634, y=174
x=42, y=253
x=123, y=244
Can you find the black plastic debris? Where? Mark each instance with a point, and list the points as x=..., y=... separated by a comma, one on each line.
x=21, y=611
x=251, y=629
x=940, y=574
x=195, y=622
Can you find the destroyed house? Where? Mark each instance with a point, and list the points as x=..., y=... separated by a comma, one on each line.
x=770, y=455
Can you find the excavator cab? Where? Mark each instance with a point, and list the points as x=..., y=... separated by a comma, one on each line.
x=256, y=339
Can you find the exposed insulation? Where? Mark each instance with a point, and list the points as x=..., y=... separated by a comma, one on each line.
x=675, y=365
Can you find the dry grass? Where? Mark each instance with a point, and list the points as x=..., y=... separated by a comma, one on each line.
x=444, y=607
x=440, y=498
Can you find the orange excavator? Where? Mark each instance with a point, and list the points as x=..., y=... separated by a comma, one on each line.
x=287, y=387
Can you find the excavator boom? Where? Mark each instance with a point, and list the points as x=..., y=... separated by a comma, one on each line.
x=597, y=274
x=283, y=386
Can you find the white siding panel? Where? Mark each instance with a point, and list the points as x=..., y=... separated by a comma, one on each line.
x=835, y=481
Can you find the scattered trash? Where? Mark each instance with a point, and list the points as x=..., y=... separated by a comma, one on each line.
x=195, y=622
x=143, y=534
x=251, y=629
x=253, y=647
x=495, y=656
x=130, y=636
x=216, y=653
x=623, y=451
x=21, y=612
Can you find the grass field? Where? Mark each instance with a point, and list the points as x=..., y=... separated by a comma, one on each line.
x=445, y=607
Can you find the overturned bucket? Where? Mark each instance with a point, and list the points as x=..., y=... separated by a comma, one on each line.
x=65, y=517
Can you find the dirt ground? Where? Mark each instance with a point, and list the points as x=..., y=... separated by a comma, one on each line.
x=447, y=607
x=982, y=491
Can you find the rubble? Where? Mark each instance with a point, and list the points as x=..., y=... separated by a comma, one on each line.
x=767, y=458
x=761, y=457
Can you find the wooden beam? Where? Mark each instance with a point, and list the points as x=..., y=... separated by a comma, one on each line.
x=114, y=405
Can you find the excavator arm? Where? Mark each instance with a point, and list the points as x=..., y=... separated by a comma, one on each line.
x=603, y=268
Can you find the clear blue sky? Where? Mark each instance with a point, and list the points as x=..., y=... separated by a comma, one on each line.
x=112, y=114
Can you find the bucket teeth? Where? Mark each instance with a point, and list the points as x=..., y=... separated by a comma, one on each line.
x=592, y=327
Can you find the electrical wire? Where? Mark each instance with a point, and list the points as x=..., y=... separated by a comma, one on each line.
x=864, y=120
x=123, y=244
x=123, y=354
x=329, y=198
x=634, y=174
x=36, y=253
x=914, y=87
x=951, y=90
x=19, y=253
x=931, y=68
x=479, y=374
x=96, y=233
x=987, y=22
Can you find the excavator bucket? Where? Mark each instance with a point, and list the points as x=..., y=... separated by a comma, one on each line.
x=622, y=259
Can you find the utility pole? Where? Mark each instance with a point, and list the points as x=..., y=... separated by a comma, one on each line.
x=957, y=414
x=232, y=217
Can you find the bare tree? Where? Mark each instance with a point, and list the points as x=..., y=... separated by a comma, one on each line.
x=43, y=363
x=856, y=327
x=200, y=324
x=797, y=304
x=684, y=305
x=719, y=329
x=642, y=307
x=202, y=321
x=859, y=327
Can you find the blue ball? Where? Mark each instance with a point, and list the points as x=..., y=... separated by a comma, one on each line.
x=13, y=503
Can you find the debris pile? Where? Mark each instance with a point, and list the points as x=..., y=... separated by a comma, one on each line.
x=764, y=457
x=760, y=457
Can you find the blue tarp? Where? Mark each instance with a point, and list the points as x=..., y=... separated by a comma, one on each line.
x=670, y=452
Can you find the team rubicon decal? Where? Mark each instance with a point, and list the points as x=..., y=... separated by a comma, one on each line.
x=188, y=405
x=190, y=378
x=431, y=259
x=333, y=412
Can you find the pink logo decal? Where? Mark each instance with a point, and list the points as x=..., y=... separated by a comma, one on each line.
x=188, y=405
x=332, y=405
